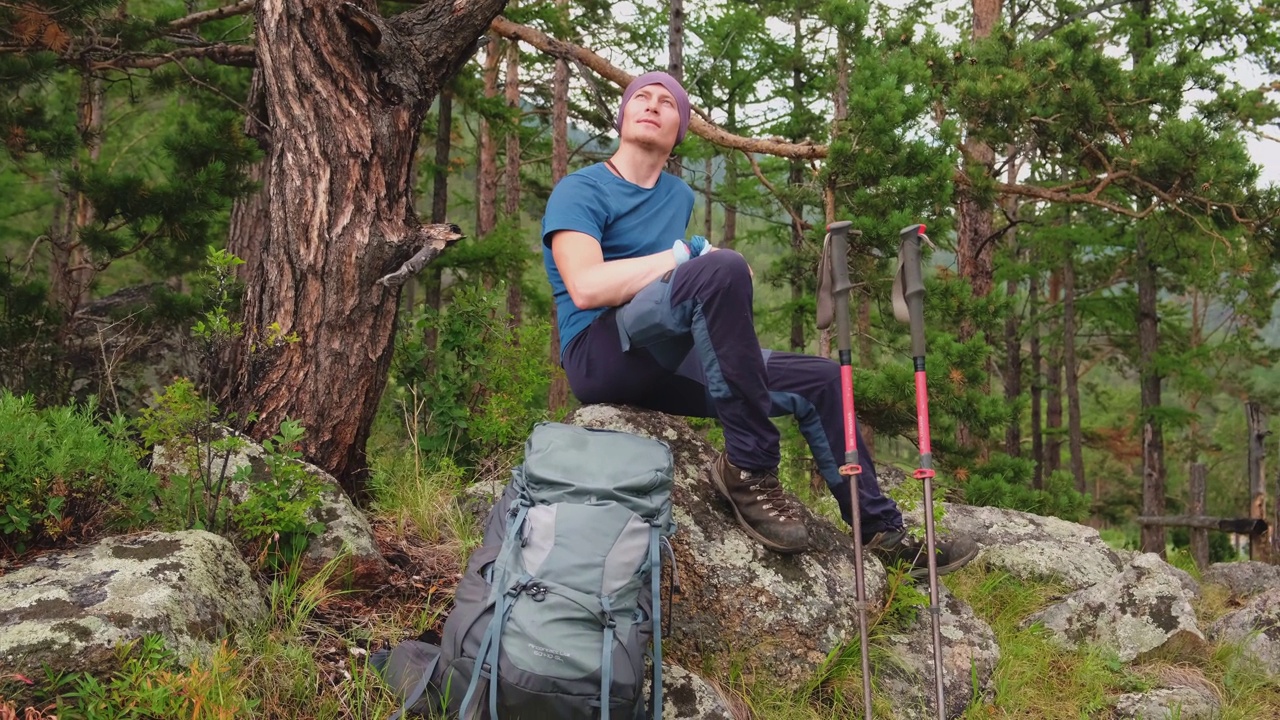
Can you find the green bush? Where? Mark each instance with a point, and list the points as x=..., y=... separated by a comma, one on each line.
x=483, y=386
x=1005, y=482
x=64, y=474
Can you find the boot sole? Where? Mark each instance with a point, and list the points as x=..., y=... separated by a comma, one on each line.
x=723, y=491
x=923, y=572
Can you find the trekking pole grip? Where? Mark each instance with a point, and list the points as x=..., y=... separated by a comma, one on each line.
x=841, y=284
x=913, y=283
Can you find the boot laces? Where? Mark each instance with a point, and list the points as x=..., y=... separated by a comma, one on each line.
x=769, y=491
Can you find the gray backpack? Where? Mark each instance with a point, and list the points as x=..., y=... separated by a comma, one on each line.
x=556, y=611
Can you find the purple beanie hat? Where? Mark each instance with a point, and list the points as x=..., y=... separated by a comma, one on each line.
x=672, y=85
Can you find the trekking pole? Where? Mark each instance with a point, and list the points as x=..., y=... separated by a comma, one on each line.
x=839, y=262
x=909, y=291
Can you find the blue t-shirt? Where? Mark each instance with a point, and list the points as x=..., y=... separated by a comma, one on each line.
x=628, y=220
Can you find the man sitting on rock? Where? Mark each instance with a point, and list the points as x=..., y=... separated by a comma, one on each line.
x=649, y=320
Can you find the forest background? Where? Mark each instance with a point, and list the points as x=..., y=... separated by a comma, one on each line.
x=1100, y=300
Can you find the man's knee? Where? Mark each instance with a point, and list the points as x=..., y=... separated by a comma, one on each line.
x=722, y=268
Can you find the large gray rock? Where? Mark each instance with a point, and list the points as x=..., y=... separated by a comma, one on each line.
x=346, y=530
x=1176, y=703
x=689, y=697
x=1243, y=579
x=1032, y=547
x=71, y=610
x=1139, y=610
x=969, y=653
x=1257, y=627
x=776, y=615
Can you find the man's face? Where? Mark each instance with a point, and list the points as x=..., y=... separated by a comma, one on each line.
x=651, y=118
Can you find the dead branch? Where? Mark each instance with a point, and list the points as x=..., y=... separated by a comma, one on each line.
x=433, y=239
x=221, y=53
x=204, y=16
x=712, y=133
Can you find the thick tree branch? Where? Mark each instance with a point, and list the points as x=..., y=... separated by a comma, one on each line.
x=223, y=54
x=698, y=126
x=241, y=8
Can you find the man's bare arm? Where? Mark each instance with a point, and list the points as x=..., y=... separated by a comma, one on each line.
x=594, y=283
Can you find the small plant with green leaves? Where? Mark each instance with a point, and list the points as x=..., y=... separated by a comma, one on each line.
x=151, y=685
x=196, y=458
x=64, y=474
x=276, y=513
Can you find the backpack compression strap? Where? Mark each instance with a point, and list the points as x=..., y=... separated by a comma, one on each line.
x=655, y=583
x=491, y=639
x=606, y=659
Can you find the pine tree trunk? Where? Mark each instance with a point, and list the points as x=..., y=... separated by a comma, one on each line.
x=1071, y=368
x=1153, y=471
x=974, y=246
x=797, y=281
x=1012, y=328
x=1037, y=379
x=1013, y=373
x=675, y=63
x=487, y=176
x=433, y=295
x=731, y=178
x=795, y=179
x=558, y=393
x=511, y=201
x=71, y=269
x=708, y=192
x=345, y=93
x=1053, y=387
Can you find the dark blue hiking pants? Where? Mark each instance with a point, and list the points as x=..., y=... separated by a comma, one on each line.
x=686, y=345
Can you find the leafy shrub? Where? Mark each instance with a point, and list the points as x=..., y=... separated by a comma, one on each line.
x=484, y=385
x=271, y=512
x=150, y=684
x=1005, y=482
x=182, y=422
x=62, y=474
x=277, y=507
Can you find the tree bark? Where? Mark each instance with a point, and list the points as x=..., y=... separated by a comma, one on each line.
x=558, y=393
x=1013, y=374
x=433, y=297
x=708, y=193
x=511, y=199
x=345, y=94
x=974, y=241
x=731, y=176
x=796, y=177
x=675, y=64
x=71, y=269
x=487, y=176
x=1153, y=471
x=1071, y=368
x=1053, y=387
x=1012, y=330
x=1037, y=379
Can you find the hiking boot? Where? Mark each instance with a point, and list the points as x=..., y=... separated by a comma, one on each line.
x=895, y=546
x=763, y=508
